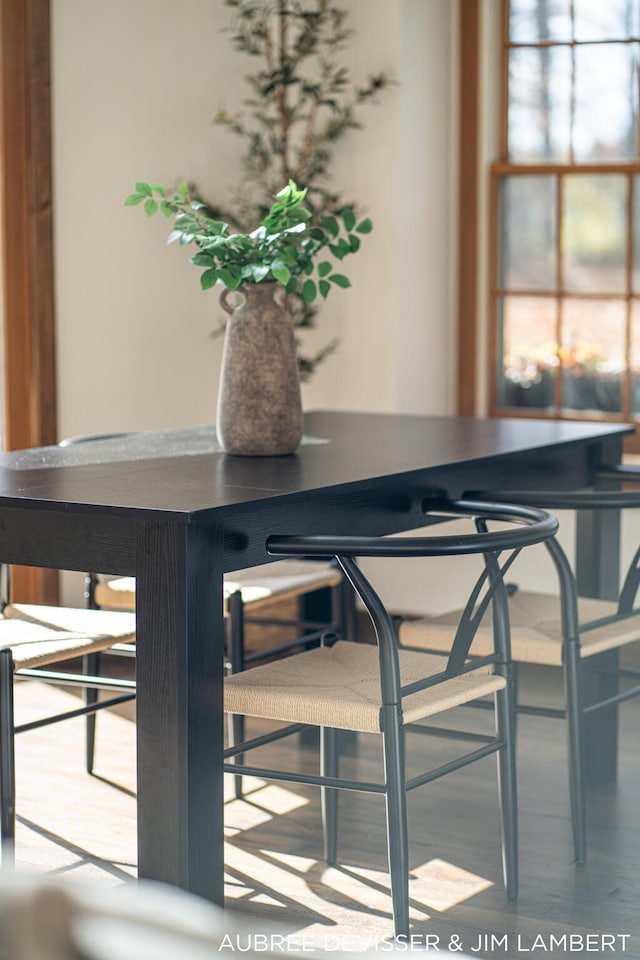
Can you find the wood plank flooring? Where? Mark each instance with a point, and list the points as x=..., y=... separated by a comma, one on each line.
x=84, y=826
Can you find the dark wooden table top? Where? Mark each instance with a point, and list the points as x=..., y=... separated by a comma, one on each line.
x=184, y=471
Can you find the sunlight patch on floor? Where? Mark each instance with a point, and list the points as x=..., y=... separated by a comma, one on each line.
x=260, y=804
x=443, y=885
x=362, y=894
x=369, y=889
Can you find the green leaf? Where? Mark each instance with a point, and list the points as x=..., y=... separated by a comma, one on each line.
x=202, y=260
x=317, y=233
x=208, y=279
x=331, y=225
x=324, y=287
x=231, y=276
x=215, y=228
x=133, y=199
x=182, y=189
x=150, y=207
x=162, y=190
x=281, y=273
x=348, y=218
x=340, y=280
x=354, y=243
x=308, y=291
x=292, y=286
x=258, y=272
x=166, y=208
x=144, y=189
x=365, y=226
x=324, y=268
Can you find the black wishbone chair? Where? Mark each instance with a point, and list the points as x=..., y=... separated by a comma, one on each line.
x=33, y=639
x=563, y=630
x=379, y=688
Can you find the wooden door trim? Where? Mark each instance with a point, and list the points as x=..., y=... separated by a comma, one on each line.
x=469, y=114
x=29, y=371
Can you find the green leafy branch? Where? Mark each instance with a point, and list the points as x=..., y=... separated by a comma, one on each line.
x=286, y=247
x=301, y=98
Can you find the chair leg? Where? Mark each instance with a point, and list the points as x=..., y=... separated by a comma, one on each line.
x=236, y=657
x=347, y=612
x=575, y=732
x=507, y=780
x=90, y=667
x=397, y=827
x=329, y=759
x=7, y=760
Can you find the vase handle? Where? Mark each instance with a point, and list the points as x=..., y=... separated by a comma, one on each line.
x=224, y=302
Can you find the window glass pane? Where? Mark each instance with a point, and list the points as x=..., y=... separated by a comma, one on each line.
x=606, y=102
x=528, y=242
x=532, y=20
x=539, y=104
x=634, y=356
x=530, y=355
x=605, y=19
x=593, y=354
x=594, y=233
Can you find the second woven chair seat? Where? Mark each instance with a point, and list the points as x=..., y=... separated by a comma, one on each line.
x=40, y=635
x=536, y=629
x=279, y=580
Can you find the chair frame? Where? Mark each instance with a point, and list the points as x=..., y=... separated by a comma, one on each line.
x=346, y=550
x=576, y=711
x=9, y=729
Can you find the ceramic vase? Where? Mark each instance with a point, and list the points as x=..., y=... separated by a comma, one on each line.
x=259, y=405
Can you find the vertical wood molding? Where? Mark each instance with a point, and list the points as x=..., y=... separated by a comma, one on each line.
x=29, y=410
x=468, y=206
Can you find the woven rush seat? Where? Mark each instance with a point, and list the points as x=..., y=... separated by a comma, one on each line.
x=280, y=580
x=339, y=686
x=40, y=635
x=536, y=629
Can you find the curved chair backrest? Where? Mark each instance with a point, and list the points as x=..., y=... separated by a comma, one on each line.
x=529, y=525
x=584, y=499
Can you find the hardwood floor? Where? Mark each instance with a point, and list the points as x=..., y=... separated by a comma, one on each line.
x=73, y=824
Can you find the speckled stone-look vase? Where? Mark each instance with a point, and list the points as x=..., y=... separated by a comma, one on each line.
x=259, y=405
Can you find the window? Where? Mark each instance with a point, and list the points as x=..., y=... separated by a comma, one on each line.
x=565, y=275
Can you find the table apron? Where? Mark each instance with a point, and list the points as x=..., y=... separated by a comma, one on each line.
x=68, y=541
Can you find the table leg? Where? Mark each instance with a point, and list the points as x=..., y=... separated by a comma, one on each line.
x=598, y=574
x=180, y=646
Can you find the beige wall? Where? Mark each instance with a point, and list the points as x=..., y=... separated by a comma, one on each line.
x=136, y=84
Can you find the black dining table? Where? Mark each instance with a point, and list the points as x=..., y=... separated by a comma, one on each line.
x=173, y=510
